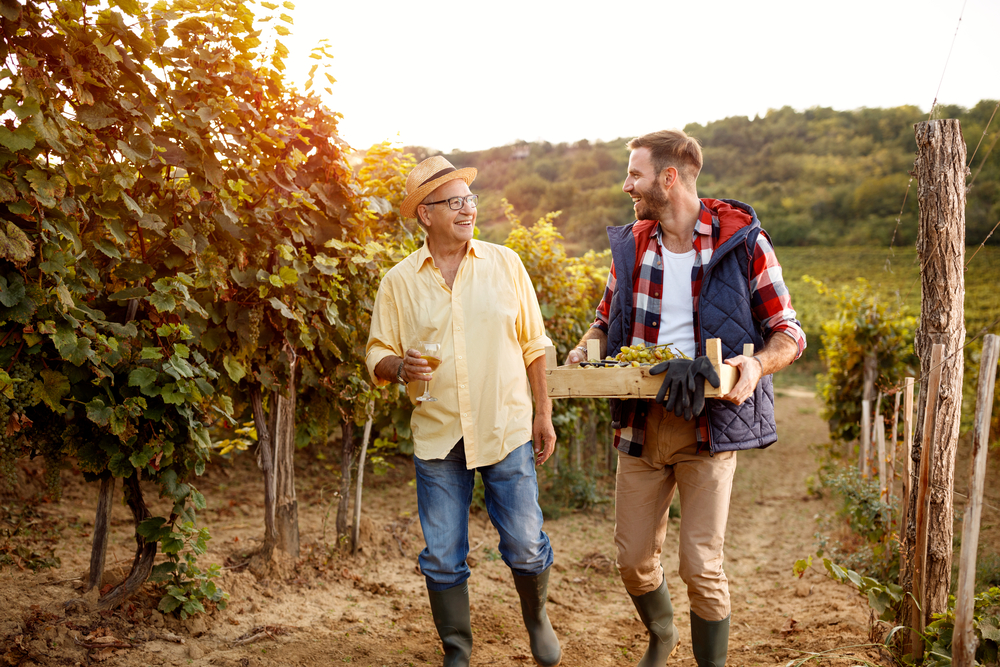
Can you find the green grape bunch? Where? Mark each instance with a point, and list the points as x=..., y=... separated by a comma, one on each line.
x=643, y=355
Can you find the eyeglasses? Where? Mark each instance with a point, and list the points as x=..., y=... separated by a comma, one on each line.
x=457, y=203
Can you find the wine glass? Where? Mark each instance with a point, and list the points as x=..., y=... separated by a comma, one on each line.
x=431, y=353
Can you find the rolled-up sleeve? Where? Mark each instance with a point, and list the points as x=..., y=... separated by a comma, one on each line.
x=383, y=339
x=769, y=297
x=531, y=325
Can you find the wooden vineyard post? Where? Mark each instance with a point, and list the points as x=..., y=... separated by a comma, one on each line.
x=359, y=484
x=865, y=450
x=892, y=450
x=920, y=509
x=866, y=432
x=963, y=643
x=941, y=174
x=879, y=426
x=907, y=451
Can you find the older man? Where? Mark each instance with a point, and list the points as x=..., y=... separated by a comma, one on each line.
x=685, y=271
x=474, y=300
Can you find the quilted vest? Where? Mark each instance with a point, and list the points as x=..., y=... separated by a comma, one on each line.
x=724, y=312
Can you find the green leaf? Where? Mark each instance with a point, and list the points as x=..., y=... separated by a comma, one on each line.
x=151, y=354
x=77, y=353
x=129, y=293
x=234, y=368
x=288, y=275
x=133, y=271
x=14, y=244
x=176, y=491
x=192, y=607
x=98, y=412
x=108, y=248
x=162, y=572
x=142, y=378
x=28, y=107
x=11, y=293
x=183, y=241
x=131, y=205
x=141, y=459
x=282, y=308
x=168, y=604
x=178, y=368
x=164, y=303
x=48, y=188
x=54, y=386
x=152, y=528
x=198, y=500
x=108, y=51
x=7, y=191
x=97, y=116
x=21, y=139
x=119, y=466
x=10, y=10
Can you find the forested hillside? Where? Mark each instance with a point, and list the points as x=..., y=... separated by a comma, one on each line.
x=816, y=177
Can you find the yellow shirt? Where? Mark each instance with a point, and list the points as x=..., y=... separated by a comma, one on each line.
x=490, y=329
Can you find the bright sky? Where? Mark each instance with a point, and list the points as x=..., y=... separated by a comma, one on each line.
x=472, y=75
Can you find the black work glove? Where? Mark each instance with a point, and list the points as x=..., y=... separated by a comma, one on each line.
x=685, y=380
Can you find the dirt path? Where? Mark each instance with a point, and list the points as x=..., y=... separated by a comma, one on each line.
x=372, y=609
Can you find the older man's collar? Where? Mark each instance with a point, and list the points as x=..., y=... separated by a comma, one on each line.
x=424, y=254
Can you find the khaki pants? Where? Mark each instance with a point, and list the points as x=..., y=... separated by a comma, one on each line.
x=645, y=487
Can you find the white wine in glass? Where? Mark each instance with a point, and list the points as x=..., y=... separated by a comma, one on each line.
x=431, y=353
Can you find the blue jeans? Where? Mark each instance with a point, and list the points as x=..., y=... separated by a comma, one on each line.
x=444, y=494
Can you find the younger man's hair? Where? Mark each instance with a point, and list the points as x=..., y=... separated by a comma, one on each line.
x=672, y=148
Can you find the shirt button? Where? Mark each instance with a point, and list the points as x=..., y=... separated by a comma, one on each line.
x=462, y=386
x=458, y=357
x=654, y=324
x=656, y=295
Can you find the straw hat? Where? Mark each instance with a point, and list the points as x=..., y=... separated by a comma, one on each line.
x=428, y=176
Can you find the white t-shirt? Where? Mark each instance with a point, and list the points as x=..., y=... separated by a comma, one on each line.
x=677, y=304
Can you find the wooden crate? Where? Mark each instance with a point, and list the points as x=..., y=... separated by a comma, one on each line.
x=574, y=381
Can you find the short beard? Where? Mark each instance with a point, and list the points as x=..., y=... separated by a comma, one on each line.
x=652, y=205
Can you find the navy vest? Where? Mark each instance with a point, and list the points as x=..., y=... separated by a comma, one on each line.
x=724, y=313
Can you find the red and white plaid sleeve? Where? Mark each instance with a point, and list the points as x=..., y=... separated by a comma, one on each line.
x=769, y=297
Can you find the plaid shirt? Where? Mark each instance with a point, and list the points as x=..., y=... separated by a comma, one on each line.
x=770, y=303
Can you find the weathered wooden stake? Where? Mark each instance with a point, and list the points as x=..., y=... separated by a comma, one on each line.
x=921, y=507
x=941, y=173
x=883, y=482
x=870, y=370
x=359, y=484
x=892, y=449
x=286, y=504
x=963, y=643
x=907, y=452
x=866, y=432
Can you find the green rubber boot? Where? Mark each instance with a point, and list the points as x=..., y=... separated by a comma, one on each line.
x=450, y=609
x=533, y=592
x=710, y=641
x=657, y=614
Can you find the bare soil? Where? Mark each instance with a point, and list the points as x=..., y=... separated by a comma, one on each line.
x=371, y=609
